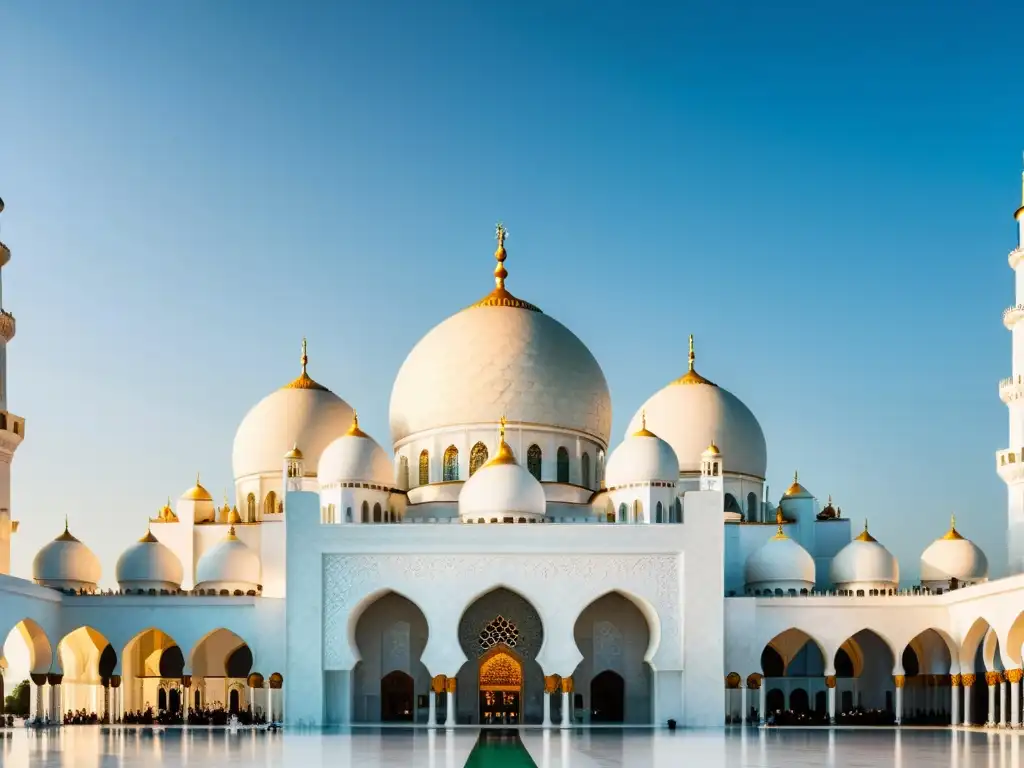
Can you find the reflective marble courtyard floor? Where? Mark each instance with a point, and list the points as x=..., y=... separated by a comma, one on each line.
x=100, y=747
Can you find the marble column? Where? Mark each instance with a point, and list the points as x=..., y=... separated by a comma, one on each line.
x=270, y=705
x=38, y=681
x=1013, y=676
x=991, y=678
x=186, y=699
x=968, y=680
x=743, y=704
x=899, y=681
x=56, y=710
x=566, y=702
x=105, y=715
x=550, y=687
x=449, y=719
x=437, y=685
x=954, y=699
x=830, y=684
x=762, y=703
x=1002, y=700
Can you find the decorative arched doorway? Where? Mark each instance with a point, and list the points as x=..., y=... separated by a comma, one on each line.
x=233, y=701
x=396, y=697
x=607, y=698
x=501, y=687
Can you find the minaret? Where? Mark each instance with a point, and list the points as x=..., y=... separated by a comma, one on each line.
x=1010, y=462
x=12, y=428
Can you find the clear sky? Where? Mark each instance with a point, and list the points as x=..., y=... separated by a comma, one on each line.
x=821, y=193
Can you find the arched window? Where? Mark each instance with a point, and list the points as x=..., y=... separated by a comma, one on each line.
x=250, y=508
x=563, y=465
x=638, y=511
x=270, y=504
x=658, y=513
x=366, y=512
x=623, y=512
x=477, y=458
x=376, y=513
x=403, y=472
x=533, y=458
x=731, y=505
x=424, y=467
x=348, y=514
x=451, y=464
x=332, y=514
x=752, y=513
x=585, y=470
x=679, y=511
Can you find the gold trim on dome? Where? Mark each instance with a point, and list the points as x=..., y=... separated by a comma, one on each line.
x=233, y=517
x=354, y=430
x=865, y=536
x=779, y=520
x=149, y=538
x=691, y=376
x=500, y=297
x=504, y=454
x=197, y=492
x=795, y=488
x=66, y=536
x=643, y=431
x=294, y=453
x=165, y=514
x=952, y=534
x=713, y=449
x=304, y=381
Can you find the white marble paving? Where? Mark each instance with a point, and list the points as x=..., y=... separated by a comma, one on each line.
x=95, y=747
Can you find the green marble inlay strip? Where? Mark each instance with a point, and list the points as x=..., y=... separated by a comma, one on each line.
x=499, y=749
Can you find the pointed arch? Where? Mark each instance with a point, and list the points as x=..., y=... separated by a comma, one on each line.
x=659, y=513
x=477, y=458
x=250, y=508
x=788, y=647
x=585, y=470
x=211, y=654
x=377, y=513
x=424, y=467
x=450, y=466
x=533, y=460
x=270, y=504
x=562, y=464
x=365, y=512
x=40, y=651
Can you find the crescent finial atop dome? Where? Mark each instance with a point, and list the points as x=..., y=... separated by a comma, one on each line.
x=304, y=381
x=500, y=297
x=691, y=376
x=504, y=454
x=952, y=534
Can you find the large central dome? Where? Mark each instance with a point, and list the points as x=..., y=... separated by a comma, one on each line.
x=500, y=356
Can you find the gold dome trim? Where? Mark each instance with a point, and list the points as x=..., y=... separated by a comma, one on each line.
x=795, y=488
x=779, y=520
x=197, y=492
x=294, y=453
x=304, y=381
x=149, y=538
x=66, y=536
x=691, y=376
x=952, y=534
x=865, y=536
x=354, y=430
x=713, y=449
x=500, y=297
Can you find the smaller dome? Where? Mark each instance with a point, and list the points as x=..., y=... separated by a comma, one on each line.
x=828, y=512
x=148, y=564
x=640, y=458
x=953, y=557
x=294, y=453
x=229, y=565
x=864, y=564
x=66, y=563
x=197, y=493
x=779, y=563
x=797, y=491
x=354, y=456
x=712, y=450
x=502, y=489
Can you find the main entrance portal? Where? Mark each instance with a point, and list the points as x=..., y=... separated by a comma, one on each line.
x=501, y=687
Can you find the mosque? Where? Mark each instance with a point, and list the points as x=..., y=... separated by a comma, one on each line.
x=505, y=562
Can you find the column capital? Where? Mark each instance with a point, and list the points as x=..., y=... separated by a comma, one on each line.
x=437, y=683
x=991, y=678
x=830, y=681
x=567, y=685
x=754, y=681
x=899, y=680
x=186, y=680
x=1015, y=675
x=733, y=680
x=954, y=680
x=39, y=678
x=115, y=681
x=449, y=684
x=54, y=678
x=968, y=679
x=550, y=683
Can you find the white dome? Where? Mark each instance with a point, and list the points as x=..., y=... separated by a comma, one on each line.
x=640, y=458
x=302, y=413
x=779, y=563
x=355, y=456
x=230, y=565
x=692, y=412
x=66, y=563
x=864, y=564
x=500, y=356
x=502, y=488
x=148, y=564
x=953, y=557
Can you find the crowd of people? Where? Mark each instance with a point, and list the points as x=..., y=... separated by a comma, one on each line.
x=215, y=715
x=855, y=716
x=81, y=717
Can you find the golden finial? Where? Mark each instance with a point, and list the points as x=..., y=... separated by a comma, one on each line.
x=952, y=521
x=354, y=430
x=504, y=454
x=305, y=358
x=796, y=476
x=779, y=520
x=830, y=500
x=501, y=429
x=692, y=356
x=865, y=536
x=691, y=376
x=952, y=534
x=500, y=273
x=643, y=431
x=197, y=479
x=231, y=532
x=65, y=523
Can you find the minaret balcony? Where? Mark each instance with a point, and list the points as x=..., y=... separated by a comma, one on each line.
x=1010, y=465
x=1011, y=389
x=1015, y=256
x=7, y=325
x=12, y=432
x=5, y=254
x=1012, y=314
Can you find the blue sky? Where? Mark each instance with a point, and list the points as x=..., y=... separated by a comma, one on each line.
x=821, y=193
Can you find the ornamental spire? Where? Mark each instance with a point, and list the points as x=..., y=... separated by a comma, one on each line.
x=500, y=273
x=501, y=429
x=305, y=358
x=692, y=356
